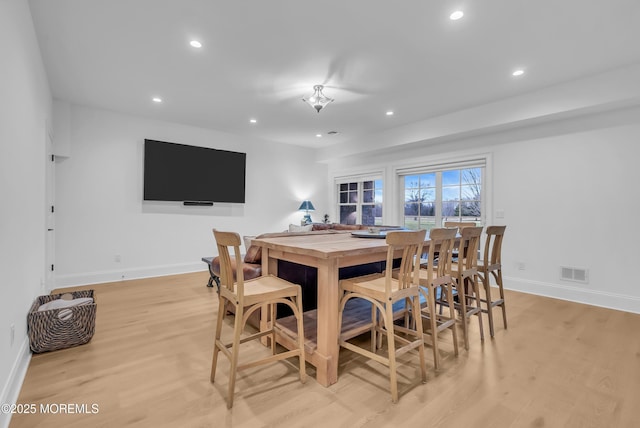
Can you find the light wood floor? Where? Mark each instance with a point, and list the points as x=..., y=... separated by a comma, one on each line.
x=559, y=364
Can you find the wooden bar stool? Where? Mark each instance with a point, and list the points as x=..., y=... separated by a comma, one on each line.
x=465, y=272
x=437, y=283
x=247, y=297
x=459, y=225
x=491, y=266
x=382, y=290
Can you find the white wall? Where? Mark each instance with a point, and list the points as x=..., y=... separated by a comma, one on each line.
x=572, y=200
x=24, y=113
x=569, y=196
x=100, y=212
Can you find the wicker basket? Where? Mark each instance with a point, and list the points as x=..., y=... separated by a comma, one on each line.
x=61, y=328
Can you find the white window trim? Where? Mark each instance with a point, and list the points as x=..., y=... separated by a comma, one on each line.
x=431, y=164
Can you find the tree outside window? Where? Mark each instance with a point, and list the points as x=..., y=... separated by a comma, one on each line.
x=432, y=198
x=420, y=201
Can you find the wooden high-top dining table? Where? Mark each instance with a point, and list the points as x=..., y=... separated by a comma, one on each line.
x=328, y=253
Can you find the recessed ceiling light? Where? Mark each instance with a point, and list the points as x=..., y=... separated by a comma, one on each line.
x=389, y=113
x=195, y=44
x=319, y=135
x=157, y=99
x=518, y=73
x=253, y=121
x=456, y=15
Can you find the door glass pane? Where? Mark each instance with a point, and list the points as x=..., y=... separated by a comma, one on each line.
x=422, y=222
x=411, y=182
x=378, y=213
x=450, y=177
x=470, y=209
x=428, y=180
x=470, y=193
x=348, y=214
x=368, y=215
x=450, y=193
x=472, y=176
x=429, y=195
x=450, y=208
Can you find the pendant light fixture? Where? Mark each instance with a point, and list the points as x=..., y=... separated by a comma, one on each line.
x=318, y=100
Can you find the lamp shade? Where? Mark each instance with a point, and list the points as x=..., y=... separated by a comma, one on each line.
x=307, y=206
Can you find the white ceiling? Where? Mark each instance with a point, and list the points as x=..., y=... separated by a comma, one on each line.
x=260, y=57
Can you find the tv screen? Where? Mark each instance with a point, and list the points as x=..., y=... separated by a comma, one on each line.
x=177, y=172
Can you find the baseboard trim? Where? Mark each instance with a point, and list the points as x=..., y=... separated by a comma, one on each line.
x=11, y=390
x=621, y=302
x=88, y=278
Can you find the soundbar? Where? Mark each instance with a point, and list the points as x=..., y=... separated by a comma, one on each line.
x=198, y=203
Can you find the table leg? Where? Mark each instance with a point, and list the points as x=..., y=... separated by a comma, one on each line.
x=327, y=334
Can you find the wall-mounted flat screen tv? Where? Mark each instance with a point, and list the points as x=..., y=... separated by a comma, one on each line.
x=178, y=172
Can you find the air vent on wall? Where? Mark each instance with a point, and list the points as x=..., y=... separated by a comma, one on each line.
x=574, y=274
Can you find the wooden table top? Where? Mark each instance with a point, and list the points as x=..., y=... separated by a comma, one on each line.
x=324, y=246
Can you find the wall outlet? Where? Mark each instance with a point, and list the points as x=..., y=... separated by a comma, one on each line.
x=12, y=333
x=522, y=266
x=117, y=258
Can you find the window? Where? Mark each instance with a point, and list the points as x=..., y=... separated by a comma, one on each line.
x=461, y=194
x=435, y=196
x=360, y=202
x=420, y=201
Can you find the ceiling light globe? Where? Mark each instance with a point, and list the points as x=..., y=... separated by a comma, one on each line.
x=318, y=100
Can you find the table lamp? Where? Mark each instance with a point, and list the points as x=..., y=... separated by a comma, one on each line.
x=306, y=206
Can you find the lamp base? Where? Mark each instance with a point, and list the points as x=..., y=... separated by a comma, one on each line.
x=306, y=220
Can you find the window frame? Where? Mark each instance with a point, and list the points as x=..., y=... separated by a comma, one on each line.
x=438, y=167
x=359, y=178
